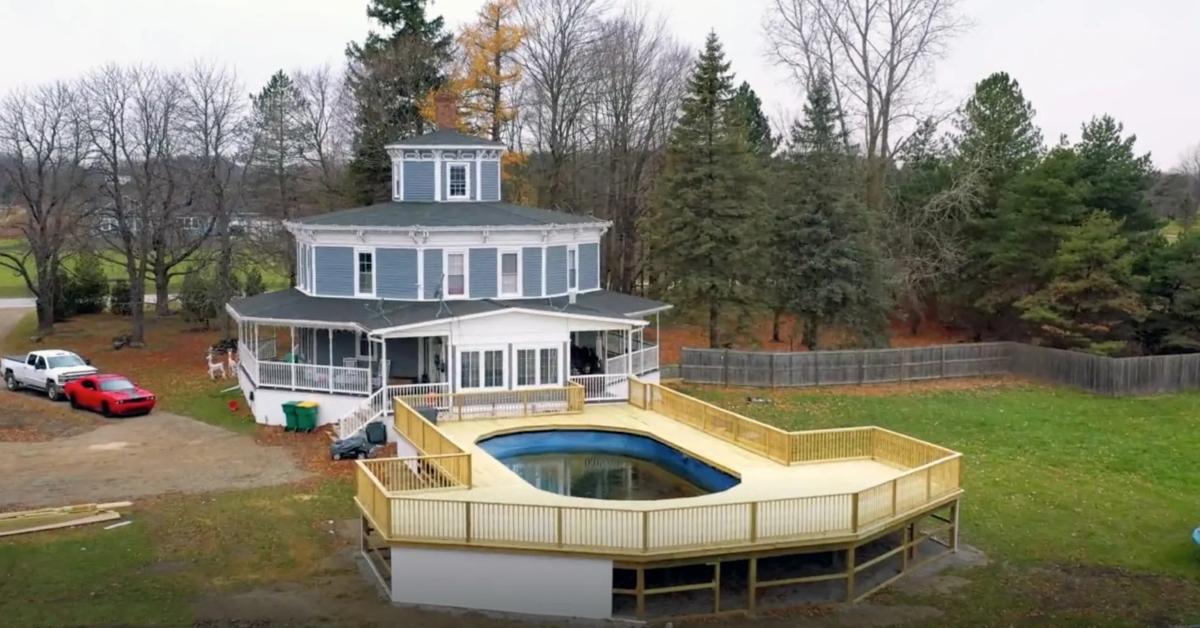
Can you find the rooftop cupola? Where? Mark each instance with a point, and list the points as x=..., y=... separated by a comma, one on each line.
x=445, y=166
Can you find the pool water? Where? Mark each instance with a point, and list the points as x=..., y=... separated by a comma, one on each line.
x=602, y=464
x=601, y=476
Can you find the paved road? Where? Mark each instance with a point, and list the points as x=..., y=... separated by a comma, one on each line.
x=132, y=458
x=28, y=303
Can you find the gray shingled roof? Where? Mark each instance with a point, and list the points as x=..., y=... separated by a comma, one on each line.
x=443, y=137
x=412, y=214
x=293, y=305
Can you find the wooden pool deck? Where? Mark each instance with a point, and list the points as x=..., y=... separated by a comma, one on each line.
x=760, y=478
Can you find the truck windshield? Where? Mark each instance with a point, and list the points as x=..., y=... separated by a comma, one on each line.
x=63, y=361
x=116, y=384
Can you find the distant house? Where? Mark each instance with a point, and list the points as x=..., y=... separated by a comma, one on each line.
x=445, y=288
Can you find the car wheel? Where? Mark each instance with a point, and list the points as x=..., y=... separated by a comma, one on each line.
x=105, y=410
x=11, y=382
x=52, y=391
x=73, y=401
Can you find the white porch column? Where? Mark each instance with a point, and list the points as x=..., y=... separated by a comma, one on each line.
x=292, y=349
x=629, y=351
x=383, y=364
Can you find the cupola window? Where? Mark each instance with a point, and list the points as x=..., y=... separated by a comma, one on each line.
x=458, y=181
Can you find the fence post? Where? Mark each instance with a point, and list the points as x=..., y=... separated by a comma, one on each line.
x=772, y=369
x=903, y=361
x=816, y=368
x=862, y=367
x=942, y=359
x=725, y=367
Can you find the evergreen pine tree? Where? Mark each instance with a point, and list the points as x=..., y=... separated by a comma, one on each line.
x=279, y=143
x=1092, y=301
x=758, y=129
x=1117, y=180
x=997, y=135
x=825, y=252
x=389, y=75
x=703, y=240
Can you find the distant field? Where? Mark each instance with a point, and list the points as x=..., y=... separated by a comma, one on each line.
x=13, y=286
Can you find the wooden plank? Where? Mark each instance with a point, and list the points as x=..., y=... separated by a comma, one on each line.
x=54, y=522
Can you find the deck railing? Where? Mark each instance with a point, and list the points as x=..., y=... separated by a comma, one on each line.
x=438, y=455
x=641, y=361
x=466, y=406
x=932, y=477
x=603, y=387
x=379, y=405
x=634, y=531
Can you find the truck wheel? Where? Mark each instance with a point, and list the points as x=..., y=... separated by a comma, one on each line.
x=11, y=382
x=52, y=391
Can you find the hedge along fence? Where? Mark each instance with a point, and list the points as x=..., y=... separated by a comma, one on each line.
x=1098, y=374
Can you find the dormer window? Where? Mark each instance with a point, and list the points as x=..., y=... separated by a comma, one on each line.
x=459, y=181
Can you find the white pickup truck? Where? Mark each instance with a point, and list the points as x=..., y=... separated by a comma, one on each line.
x=47, y=370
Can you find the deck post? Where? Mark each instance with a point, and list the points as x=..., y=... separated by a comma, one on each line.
x=641, y=592
x=752, y=585
x=854, y=513
x=905, y=540
x=329, y=337
x=850, y=552
x=954, y=514
x=717, y=587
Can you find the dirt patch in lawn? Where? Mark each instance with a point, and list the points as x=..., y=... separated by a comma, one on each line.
x=138, y=457
x=311, y=450
x=28, y=417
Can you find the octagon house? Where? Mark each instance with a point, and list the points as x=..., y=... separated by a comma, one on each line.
x=444, y=289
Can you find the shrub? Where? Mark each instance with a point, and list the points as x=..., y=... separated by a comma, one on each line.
x=119, y=297
x=196, y=299
x=89, y=286
x=254, y=283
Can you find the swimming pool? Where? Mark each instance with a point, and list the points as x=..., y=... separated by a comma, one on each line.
x=602, y=464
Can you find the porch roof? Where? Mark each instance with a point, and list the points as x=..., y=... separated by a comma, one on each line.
x=293, y=306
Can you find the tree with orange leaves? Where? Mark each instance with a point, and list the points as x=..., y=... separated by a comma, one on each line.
x=486, y=69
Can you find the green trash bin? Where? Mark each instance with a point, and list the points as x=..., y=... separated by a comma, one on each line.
x=306, y=416
x=289, y=415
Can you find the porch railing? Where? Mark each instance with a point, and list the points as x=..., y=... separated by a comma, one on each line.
x=640, y=362
x=465, y=406
x=603, y=387
x=310, y=377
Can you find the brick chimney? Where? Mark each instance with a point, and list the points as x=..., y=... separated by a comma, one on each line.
x=446, y=111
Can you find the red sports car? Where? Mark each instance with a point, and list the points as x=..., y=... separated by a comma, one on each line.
x=110, y=395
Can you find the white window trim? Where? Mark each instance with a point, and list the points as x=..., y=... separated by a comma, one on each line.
x=446, y=253
x=537, y=364
x=358, y=250
x=572, y=252
x=500, y=253
x=505, y=377
x=398, y=180
x=466, y=166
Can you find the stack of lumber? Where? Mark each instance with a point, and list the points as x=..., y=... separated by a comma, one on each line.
x=24, y=521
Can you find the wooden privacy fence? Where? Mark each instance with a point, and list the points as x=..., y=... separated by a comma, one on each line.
x=1098, y=374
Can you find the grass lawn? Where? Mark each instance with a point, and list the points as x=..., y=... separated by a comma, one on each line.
x=13, y=286
x=1084, y=504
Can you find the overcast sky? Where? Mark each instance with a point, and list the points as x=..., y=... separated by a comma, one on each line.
x=1074, y=58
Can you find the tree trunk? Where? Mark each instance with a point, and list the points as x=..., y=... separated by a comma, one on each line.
x=45, y=297
x=812, y=331
x=225, y=273
x=714, y=314
x=162, y=281
x=777, y=314
x=137, y=307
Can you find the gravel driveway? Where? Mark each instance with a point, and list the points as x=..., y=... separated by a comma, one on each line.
x=132, y=458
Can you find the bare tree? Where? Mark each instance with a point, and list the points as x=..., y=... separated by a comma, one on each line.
x=877, y=53
x=327, y=118
x=640, y=79
x=556, y=55
x=43, y=153
x=1189, y=167
x=214, y=128
x=133, y=117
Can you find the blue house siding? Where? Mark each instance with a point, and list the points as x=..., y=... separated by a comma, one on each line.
x=556, y=269
x=470, y=180
x=335, y=271
x=491, y=180
x=433, y=273
x=418, y=180
x=531, y=258
x=397, y=273
x=589, y=266
x=482, y=269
